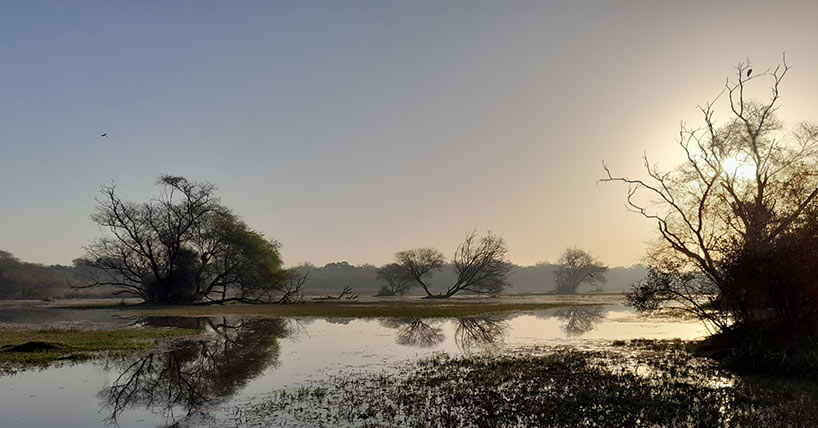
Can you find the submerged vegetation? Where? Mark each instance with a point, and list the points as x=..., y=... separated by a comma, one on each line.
x=644, y=383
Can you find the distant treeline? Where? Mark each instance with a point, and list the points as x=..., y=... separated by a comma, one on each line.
x=538, y=278
x=26, y=281
x=23, y=280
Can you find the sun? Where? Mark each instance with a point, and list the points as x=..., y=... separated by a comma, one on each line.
x=739, y=167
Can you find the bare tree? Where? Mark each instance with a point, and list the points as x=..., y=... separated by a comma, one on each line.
x=398, y=280
x=419, y=264
x=481, y=264
x=576, y=267
x=744, y=185
x=293, y=289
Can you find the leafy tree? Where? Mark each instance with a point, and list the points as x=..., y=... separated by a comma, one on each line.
x=398, y=281
x=22, y=280
x=181, y=246
x=735, y=219
x=576, y=267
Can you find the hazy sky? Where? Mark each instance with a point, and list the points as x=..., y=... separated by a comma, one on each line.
x=351, y=130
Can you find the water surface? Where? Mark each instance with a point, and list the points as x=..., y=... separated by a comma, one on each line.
x=236, y=360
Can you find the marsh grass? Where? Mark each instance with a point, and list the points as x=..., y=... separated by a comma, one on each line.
x=639, y=384
x=20, y=348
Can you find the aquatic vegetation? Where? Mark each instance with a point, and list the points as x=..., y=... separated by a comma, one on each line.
x=635, y=384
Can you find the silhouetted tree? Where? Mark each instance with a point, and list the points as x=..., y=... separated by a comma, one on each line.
x=181, y=246
x=747, y=187
x=481, y=264
x=419, y=264
x=576, y=267
x=525, y=278
x=398, y=280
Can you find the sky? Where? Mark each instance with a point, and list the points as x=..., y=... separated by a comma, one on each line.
x=350, y=130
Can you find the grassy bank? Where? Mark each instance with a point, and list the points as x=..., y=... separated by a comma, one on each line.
x=40, y=347
x=640, y=384
x=424, y=309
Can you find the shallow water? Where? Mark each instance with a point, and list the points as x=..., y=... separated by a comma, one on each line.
x=237, y=360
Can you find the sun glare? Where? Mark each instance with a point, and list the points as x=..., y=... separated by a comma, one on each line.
x=739, y=167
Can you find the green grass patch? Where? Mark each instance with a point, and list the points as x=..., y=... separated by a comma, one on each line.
x=41, y=347
x=425, y=309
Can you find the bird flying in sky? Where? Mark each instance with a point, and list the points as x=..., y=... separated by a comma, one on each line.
x=105, y=135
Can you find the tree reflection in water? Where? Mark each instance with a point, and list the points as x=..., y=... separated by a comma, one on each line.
x=471, y=333
x=196, y=371
x=578, y=320
x=480, y=333
x=415, y=332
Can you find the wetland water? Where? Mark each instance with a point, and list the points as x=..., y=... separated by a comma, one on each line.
x=197, y=380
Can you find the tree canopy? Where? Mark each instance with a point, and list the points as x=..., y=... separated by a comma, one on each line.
x=576, y=267
x=420, y=263
x=22, y=280
x=397, y=279
x=181, y=246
